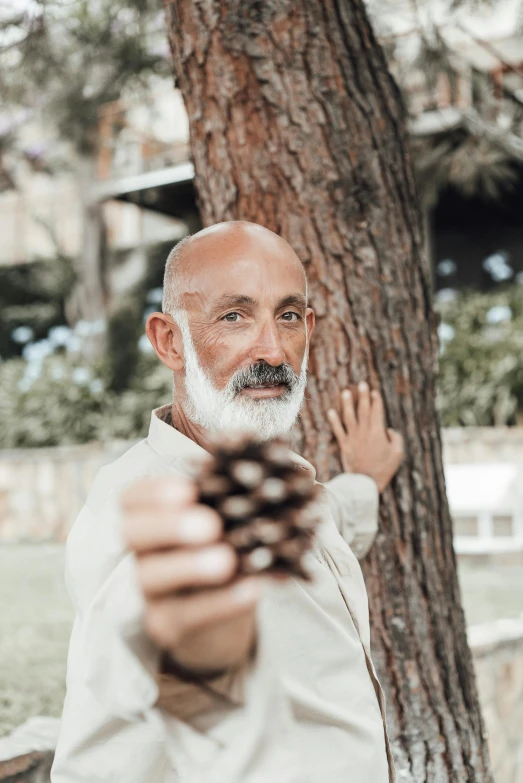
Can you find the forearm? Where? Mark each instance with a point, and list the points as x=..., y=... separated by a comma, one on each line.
x=354, y=503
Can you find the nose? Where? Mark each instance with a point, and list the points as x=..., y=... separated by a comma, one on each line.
x=268, y=345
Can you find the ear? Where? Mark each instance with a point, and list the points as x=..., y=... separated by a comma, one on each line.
x=310, y=320
x=166, y=339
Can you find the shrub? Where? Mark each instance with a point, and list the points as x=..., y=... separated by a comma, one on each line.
x=32, y=296
x=67, y=403
x=481, y=358
x=47, y=398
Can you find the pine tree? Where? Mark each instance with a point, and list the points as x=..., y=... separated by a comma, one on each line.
x=297, y=124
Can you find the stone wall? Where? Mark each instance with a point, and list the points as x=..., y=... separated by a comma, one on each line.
x=42, y=490
x=482, y=444
x=498, y=660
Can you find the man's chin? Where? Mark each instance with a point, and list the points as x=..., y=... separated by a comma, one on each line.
x=262, y=418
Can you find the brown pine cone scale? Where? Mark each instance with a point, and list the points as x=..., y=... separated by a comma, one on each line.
x=266, y=501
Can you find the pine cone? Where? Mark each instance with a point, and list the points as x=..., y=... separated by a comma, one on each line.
x=265, y=501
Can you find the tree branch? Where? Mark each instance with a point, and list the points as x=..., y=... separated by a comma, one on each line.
x=504, y=139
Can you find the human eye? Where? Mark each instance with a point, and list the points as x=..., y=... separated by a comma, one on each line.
x=293, y=316
x=231, y=318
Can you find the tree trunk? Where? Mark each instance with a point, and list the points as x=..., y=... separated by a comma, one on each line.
x=88, y=299
x=296, y=124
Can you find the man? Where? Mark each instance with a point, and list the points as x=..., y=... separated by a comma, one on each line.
x=250, y=679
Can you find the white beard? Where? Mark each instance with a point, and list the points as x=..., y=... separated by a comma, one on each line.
x=226, y=410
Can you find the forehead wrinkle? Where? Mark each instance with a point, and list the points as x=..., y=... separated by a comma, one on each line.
x=211, y=247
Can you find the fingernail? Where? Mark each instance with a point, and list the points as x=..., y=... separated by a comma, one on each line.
x=214, y=562
x=346, y=393
x=330, y=412
x=362, y=386
x=248, y=592
x=194, y=527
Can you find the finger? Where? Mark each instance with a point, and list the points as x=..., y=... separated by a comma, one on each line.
x=363, y=412
x=196, y=526
x=336, y=425
x=173, y=570
x=377, y=408
x=159, y=493
x=349, y=414
x=170, y=619
x=397, y=443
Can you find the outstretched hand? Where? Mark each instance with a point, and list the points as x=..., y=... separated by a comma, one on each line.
x=195, y=608
x=366, y=445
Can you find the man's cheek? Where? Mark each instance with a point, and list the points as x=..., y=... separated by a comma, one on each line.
x=295, y=347
x=228, y=365
x=221, y=375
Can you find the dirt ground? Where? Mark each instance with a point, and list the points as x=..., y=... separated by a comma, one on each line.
x=36, y=618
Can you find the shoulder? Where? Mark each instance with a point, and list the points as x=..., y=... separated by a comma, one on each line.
x=95, y=544
x=138, y=462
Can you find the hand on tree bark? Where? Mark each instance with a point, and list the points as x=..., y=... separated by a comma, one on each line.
x=366, y=445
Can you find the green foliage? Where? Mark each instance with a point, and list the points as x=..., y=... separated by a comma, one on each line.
x=52, y=411
x=480, y=381
x=126, y=320
x=481, y=363
x=125, y=328
x=69, y=404
x=50, y=397
x=471, y=164
x=32, y=295
x=65, y=60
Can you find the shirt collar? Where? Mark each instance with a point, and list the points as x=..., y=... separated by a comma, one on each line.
x=165, y=439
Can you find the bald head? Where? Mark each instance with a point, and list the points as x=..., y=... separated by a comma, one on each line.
x=214, y=250
x=238, y=347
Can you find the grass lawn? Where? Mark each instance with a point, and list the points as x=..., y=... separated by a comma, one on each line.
x=36, y=619
x=491, y=592
x=35, y=622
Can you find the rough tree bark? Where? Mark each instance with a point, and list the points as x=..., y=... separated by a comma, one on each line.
x=296, y=124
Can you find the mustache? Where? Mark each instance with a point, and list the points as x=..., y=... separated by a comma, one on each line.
x=263, y=374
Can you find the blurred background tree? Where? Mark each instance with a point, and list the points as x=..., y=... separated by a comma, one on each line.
x=61, y=61
x=463, y=92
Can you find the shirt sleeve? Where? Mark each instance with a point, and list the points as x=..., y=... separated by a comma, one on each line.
x=354, y=502
x=118, y=703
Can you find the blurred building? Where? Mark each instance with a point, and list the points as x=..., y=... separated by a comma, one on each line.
x=144, y=157
x=42, y=216
x=144, y=174
x=463, y=73
x=486, y=501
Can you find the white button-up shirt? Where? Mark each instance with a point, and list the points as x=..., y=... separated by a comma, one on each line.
x=307, y=709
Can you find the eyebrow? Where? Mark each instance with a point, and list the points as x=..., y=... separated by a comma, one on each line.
x=296, y=300
x=235, y=300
